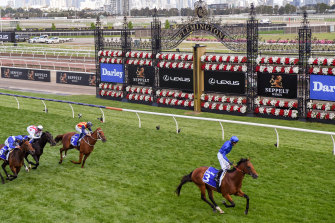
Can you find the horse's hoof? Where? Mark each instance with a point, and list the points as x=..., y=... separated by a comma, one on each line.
x=246, y=212
x=220, y=210
x=64, y=156
x=34, y=168
x=27, y=170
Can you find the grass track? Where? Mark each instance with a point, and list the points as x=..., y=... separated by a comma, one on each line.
x=132, y=177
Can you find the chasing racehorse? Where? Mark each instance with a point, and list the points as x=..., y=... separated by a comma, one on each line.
x=16, y=159
x=86, y=145
x=230, y=184
x=39, y=145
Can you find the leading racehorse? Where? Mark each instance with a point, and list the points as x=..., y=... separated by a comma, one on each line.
x=39, y=145
x=86, y=145
x=16, y=157
x=230, y=184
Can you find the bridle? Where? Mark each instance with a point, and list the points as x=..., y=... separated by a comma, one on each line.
x=98, y=138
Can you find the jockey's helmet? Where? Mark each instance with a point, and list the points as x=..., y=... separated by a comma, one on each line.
x=18, y=138
x=89, y=124
x=234, y=139
x=40, y=127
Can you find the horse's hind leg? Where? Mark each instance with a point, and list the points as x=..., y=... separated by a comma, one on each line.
x=210, y=195
x=4, y=169
x=85, y=157
x=61, y=154
x=2, y=179
x=80, y=159
x=203, y=197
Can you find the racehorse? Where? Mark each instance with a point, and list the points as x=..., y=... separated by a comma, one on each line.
x=86, y=145
x=230, y=184
x=16, y=159
x=39, y=145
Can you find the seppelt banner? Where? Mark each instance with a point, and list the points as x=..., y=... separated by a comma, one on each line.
x=225, y=82
x=322, y=87
x=277, y=85
x=25, y=74
x=180, y=79
x=141, y=75
x=7, y=36
x=64, y=77
x=112, y=73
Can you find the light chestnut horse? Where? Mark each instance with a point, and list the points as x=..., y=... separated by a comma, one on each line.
x=86, y=145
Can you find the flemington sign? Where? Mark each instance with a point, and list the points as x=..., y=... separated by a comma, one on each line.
x=189, y=28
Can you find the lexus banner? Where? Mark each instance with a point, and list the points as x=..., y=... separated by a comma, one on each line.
x=322, y=87
x=225, y=82
x=176, y=78
x=75, y=78
x=277, y=85
x=7, y=36
x=141, y=75
x=25, y=74
x=112, y=73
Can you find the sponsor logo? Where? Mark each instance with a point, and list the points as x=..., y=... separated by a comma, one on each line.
x=276, y=88
x=176, y=79
x=277, y=82
x=319, y=86
x=4, y=36
x=74, y=77
x=213, y=81
x=113, y=73
x=41, y=75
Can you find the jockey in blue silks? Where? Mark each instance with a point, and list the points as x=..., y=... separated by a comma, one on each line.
x=225, y=149
x=11, y=143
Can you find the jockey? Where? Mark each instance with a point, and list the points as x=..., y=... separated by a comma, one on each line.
x=11, y=143
x=225, y=149
x=82, y=127
x=34, y=132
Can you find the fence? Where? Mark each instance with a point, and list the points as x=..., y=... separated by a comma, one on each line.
x=137, y=112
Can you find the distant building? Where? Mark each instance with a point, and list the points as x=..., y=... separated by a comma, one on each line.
x=215, y=7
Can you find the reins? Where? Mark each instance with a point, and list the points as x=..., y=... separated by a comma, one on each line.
x=98, y=138
x=239, y=169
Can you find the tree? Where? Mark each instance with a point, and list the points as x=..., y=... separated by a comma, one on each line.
x=53, y=27
x=93, y=25
x=18, y=28
x=167, y=24
x=130, y=25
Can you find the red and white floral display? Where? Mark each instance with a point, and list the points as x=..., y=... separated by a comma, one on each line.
x=224, y=67
x=139, y=90
x=321, y=106
x=224, y=58
x=140, y=97
x=224, y=107
x=277, y=112
x=277, y=60
x=174, y=94
x=223, y=99
x=175, y=102
x=110, y=60
x=321, y=115
x=322, y=61
x=173, y=65
x=277, y=69
x=323, y=71
x=141, y=55
x=106, y=86
x=172, y=56
x=140, y=62
x=114, y=94
x=276, y=103
x=110, y=53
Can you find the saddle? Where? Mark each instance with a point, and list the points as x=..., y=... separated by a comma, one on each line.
x=74, y=140
x=217, y=178
x=4, y=153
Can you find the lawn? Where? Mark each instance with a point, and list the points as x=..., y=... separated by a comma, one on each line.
x=132, y=177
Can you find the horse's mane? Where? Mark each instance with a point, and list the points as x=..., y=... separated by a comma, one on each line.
x=238, y=163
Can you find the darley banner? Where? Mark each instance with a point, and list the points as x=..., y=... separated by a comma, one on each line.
x=141, y=75
x=277, y=85
x=64, y=77
x=226, y=82
x=25, y=74
x=176, y=78
x=112, y=73
x=322, y=87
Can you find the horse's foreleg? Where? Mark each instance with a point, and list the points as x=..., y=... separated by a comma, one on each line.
x=210, y=195
x=4, y=169
x=27, y=168
x=85, y=157
x=228, y=198
x=15, y=172
x=80, y=159
x=36, y=158
x=203, y=197
x=2, y=179
x=241, y=194
x=61, y=154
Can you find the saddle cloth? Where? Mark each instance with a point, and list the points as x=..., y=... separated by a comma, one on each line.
x=3, y=151
x=74, y=139
x=209, y=176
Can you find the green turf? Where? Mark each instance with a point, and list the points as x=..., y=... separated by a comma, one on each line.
x=132, y=177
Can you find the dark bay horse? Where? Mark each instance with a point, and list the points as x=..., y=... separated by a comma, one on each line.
x=86, y=145
x=16, y=159
x=39, y=145
x=230, y=184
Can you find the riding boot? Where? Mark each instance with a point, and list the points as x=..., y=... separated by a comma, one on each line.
x=217, y=179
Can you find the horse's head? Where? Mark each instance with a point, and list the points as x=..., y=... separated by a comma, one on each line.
x=26, y=146
x=100, y=134
x=246, y=166
x=49, y=138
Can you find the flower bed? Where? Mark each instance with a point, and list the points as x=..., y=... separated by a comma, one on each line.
x=322, y=71
x=143, y=55
x=276, y=112
x=110, y=53
x=216, y=106
x=117, y=87
x=111, y=94
x=111, y=91
x=320, y=115
x=277, y=60
x=277, y=69
x=173, y=65
x=224, y=58
x=217, y=67
x=139, y=62
x=173, y=56
x=223, y=99
x=139, y=94
x=276, y=103
x=110, y=60
x=223, y=104
x=321, y=106
x=175, y=98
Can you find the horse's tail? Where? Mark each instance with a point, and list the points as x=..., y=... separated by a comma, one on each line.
x=58, y=138
x=184, y=180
